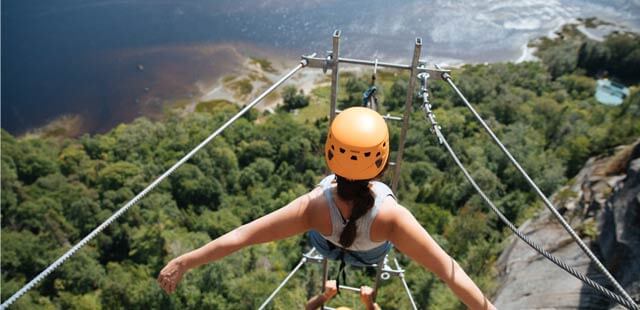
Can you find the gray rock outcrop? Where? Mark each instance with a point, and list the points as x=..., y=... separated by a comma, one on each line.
x=603, y=205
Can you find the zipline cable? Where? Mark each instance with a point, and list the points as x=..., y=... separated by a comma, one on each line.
x=544, y=198
x=436, y=129
x=286, y=279
x=151, y=186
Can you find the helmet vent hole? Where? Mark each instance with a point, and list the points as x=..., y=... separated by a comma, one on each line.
x=330, y=155
x=377, y=154
x=333, y=148
x=379, y=162
x=384, y=144
x=367, y=154
x=354, y=157
x=342, y=150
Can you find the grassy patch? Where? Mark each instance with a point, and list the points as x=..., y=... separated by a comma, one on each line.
x=594, y=22
x=55, y=132
x=318, y=105
x=254, y=76
x=265, y=64
x=588, y=229
x=569, y=34
x=312, y=112
x=321, y=93
x=212, y=106
x=180, y=103
x=241, y=87
x=272, y=97
x=228, y=78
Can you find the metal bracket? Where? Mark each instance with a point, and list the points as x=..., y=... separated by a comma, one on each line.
x=328, y=62
x=434, y=71
x=317, y=62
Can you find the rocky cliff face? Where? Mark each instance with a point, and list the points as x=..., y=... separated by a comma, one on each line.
x=603, y=205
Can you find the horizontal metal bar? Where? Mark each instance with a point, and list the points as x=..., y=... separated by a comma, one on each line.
x=391, y=117
x=373, y=63
x=350, y=288
x=315, y=62
x=387, y=117
x=314, y=258
x=435, y=71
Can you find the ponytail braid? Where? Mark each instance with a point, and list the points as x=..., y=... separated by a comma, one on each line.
x=357, y=192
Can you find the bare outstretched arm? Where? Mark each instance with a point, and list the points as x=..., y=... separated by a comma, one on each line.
x=290, y=220
x=413, y=240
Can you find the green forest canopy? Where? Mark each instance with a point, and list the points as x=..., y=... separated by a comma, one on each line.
x=55, y=191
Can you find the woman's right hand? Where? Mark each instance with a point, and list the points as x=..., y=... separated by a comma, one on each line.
x=366, y=297
x=171, y=274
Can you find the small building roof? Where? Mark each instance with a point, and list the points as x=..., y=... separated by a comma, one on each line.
x=611, y=93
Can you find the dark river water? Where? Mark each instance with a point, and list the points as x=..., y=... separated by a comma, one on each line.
x=112, y=61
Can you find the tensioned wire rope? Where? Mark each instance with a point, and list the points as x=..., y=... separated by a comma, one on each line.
x=150, y=187
x=447, y=77
x=304, y=260
x=436, y=130
x=286, y=279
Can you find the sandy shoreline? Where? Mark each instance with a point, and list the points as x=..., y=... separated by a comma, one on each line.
x=306, y=80
x=224, y=67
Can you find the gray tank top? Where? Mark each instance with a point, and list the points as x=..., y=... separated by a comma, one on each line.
x=362, y=241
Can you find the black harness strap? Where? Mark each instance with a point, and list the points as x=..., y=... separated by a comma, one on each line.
x=343, y=264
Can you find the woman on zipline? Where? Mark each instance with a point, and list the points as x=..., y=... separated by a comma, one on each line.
x=349, y=216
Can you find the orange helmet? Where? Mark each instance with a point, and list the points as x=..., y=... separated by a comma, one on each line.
x=357, y=145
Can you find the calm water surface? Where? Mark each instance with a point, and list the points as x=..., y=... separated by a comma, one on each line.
x=82, y=56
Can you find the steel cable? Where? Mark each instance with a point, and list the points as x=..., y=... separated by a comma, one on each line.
x=140, y=195
x=544, y=198
x=436, y=129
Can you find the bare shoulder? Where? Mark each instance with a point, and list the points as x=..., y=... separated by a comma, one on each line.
x=391, y=210
x=316, y=197
x=318, y=213
x=387, y=218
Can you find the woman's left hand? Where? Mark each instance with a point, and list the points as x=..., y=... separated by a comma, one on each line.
x=171, y=274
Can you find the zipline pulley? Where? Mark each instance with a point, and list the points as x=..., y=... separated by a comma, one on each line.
x=369, y=98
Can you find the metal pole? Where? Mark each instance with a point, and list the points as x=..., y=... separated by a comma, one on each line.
x=335, y=54
x=378, y=275
x=406, y=286
x=386, y=117
x=325, y=277
x=350, y=288
x=544, y=198
x=373, y=63
x=139, y=196
x=302, y=261
x=407, y=111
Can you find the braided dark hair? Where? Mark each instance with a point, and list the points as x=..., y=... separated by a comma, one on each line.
x=359, y=193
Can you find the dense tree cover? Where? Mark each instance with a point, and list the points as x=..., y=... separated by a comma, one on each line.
x=56, y=191
x=618, y=56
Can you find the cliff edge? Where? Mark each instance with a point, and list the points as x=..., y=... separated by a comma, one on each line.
x=602, y=204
